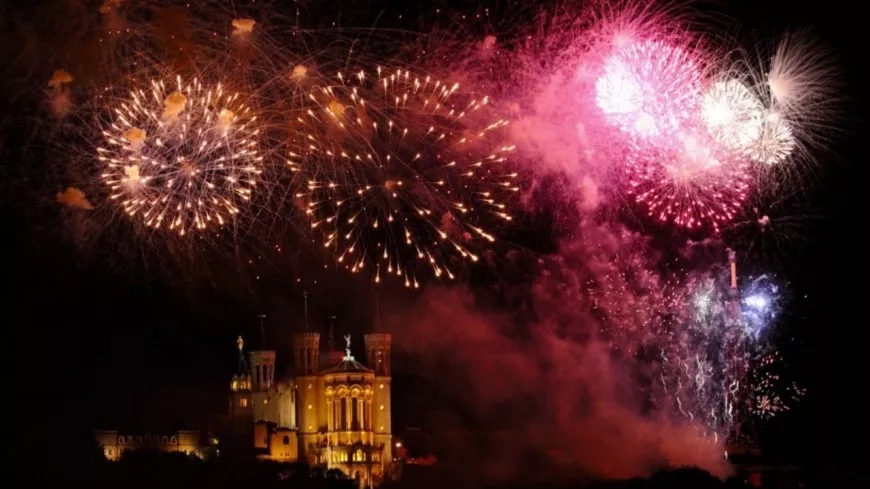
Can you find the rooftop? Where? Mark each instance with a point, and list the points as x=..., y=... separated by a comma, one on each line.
x=347, y=365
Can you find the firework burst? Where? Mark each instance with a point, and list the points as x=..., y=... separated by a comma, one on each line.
x=649, y=89
x=181, y=155
x=771, y=394
x=691, y=185
x=796, y=83
x=732, y=114
x=684, y=146
x=399, y=168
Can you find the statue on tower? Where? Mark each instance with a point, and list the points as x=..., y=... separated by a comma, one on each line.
x=241, y=343
x=347, y=348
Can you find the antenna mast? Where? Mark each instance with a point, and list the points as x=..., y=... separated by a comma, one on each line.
x=305, y=296
x=377, y=326
x=262, y=330
x=331, y=338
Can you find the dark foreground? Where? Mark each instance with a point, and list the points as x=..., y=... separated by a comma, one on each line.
x=150, y=469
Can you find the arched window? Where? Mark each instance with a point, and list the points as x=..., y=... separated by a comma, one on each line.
x=358, y=455
x=286, y=440
x=120, y=439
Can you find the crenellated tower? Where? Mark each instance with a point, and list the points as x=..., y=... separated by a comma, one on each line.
x=378, y=349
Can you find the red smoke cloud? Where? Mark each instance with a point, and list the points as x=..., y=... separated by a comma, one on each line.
x=557, y=389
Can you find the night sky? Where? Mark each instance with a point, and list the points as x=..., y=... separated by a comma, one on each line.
x=93, y=343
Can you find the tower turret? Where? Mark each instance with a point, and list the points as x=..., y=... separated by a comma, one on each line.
x=263, y=376
x=378, y=349
x=241, y=404
x=263, y=367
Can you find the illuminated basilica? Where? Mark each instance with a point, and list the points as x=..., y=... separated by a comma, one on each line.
x=333, y=411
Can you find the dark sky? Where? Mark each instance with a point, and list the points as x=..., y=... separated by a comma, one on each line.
x=93, y=344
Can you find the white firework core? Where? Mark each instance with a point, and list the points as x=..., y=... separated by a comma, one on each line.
x=181, y=156
x=733, y=114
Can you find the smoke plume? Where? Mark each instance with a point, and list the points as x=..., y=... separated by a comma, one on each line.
x=554, y=392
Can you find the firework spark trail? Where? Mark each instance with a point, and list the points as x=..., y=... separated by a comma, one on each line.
x=717, y=366
x=400, y=167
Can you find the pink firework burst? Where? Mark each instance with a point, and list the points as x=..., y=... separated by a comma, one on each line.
x=650, y=89
x=692, y=183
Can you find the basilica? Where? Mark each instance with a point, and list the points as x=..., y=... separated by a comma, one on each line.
x=332, y=411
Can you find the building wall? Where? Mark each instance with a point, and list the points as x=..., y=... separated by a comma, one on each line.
x=307, y=408
x=261, y=435
x=189, y=442
x=284, y=445
x=286, y=404
x=115, y=443
x=382, y=411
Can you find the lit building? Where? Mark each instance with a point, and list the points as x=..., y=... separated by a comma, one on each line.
x=115, y=443
x=332, y=412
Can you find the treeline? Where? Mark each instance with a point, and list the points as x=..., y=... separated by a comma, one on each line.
x=681, y=478
x=150, y=469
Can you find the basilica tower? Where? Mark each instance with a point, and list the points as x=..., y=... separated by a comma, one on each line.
x=306, y=370
x=378, y=349
x=306, y=363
